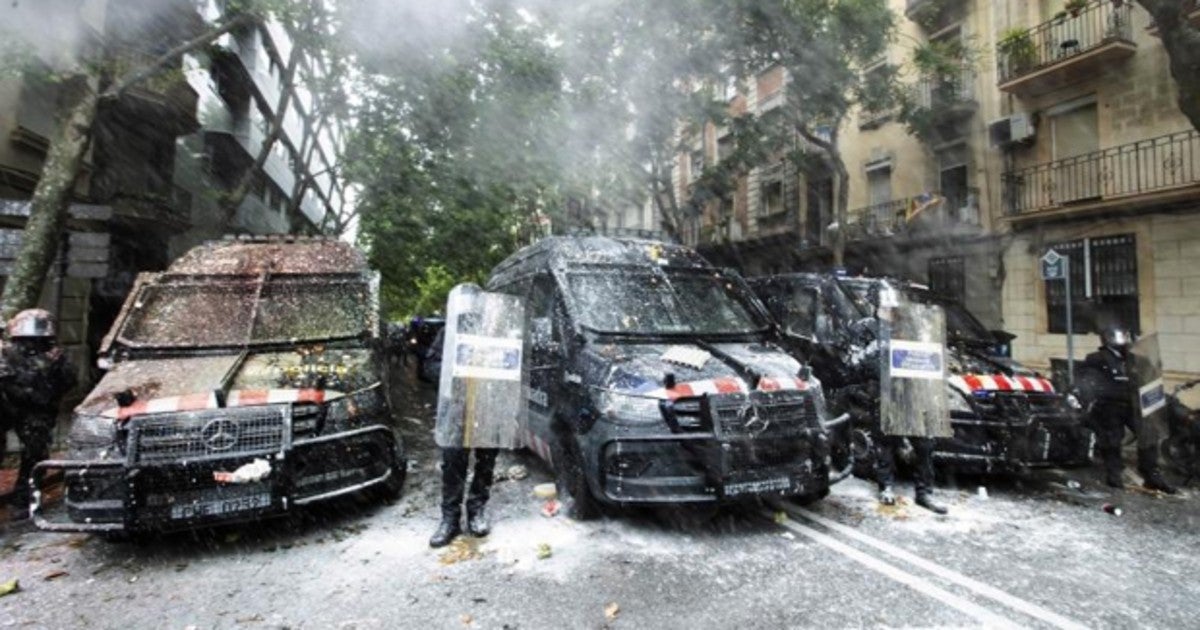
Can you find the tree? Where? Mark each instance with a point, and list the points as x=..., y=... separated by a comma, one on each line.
x=829, y=44
x=84, y=93
x=457, y=146
x=1181, y=40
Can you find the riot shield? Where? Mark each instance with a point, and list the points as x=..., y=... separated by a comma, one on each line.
x=912, y=387
x=481, y=392
x=1146, y=372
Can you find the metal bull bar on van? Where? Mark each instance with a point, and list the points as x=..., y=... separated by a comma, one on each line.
x=753, y=443
x=148, y=489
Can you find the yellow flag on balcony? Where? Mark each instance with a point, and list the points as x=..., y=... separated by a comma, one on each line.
x=920, y=203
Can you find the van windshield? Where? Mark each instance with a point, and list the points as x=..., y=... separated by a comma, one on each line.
x=240, y=313
x=643, y=301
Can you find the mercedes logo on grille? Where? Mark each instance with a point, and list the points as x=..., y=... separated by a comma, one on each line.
x=220, y=434
x=752, y=422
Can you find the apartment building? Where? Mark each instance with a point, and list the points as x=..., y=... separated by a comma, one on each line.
x=1106, y=171
x=165, y=152
x=1053, y=128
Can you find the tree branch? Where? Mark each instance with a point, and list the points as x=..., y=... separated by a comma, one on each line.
x=172, y=56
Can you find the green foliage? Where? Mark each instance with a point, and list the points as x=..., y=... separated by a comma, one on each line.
x=1075, y=6
x=433, y=286
x=1017, y=45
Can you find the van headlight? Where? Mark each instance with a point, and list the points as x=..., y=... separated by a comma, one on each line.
x=956, y=401
x=628, y=409
x=352, y=410
x=92, y=437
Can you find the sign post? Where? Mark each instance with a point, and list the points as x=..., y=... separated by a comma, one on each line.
x=1055, y=266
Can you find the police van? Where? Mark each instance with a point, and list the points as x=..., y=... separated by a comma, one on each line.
x=653, y=379
x=1005, y=417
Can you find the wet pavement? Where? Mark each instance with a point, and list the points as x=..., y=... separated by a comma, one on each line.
x=1031, y=552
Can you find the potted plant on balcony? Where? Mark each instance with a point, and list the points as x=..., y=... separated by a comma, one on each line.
x=1017, y=47
x=1075, y=7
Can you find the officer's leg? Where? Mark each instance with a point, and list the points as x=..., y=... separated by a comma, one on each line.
x=454, y=478
x=924, y=481
x=1147, y=455
x=36, y=432
x=1110, y=431
x=481, y=488
x=885, y=468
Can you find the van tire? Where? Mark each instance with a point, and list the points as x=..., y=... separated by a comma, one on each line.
x=569, y=481
x=392, y=489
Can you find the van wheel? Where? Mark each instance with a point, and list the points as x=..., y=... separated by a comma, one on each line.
x=391, y=489
x=569, y=481
x=810, y=498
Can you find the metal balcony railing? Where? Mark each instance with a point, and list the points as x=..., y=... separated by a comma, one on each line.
x=1138, y=168
x=947, y=92
x=881, y=219
x=1063, y=37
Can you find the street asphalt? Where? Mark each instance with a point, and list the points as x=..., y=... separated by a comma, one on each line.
x=1036, y=551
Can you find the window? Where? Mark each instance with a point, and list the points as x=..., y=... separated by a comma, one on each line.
x=1074, y=134
x=695, y=164
x=724, y=148
x=771, y=191
x=1104, y=285
x=947, y=276
x=800, y=313
x=879, y=185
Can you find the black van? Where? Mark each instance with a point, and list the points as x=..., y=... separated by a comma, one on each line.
x=1005, y=417
x=654, y=380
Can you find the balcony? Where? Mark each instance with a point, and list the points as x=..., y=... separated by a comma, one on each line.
x=915, y=217
x=1157, y=171
x=1056, y=53
x=931, y=14
x=166, y=98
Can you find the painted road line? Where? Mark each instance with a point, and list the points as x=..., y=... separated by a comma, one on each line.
x=980, y=614
x=990, y=592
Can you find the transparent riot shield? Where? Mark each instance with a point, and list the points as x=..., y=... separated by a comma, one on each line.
x=1146, y=370
x=481, y=393
x=912, y=386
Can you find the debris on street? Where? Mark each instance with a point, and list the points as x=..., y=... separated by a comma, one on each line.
x=516, y=472
x=550, y=508
x=544, y=551
x=545, y=491
x=611, y=611
x=9, y=587
x=462, y=549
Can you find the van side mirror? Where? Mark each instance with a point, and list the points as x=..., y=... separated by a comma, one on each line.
x=541, y=333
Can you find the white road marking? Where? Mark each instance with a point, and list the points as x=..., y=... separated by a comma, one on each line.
x=980, y=614
x=990, y=592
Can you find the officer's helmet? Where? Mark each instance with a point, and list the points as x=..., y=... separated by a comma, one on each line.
x=33, y=323
x=1117, y=338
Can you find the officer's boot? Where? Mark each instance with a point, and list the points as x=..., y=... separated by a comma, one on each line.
x=887, y=496
x=481, y=486
x=454, y=471
x=447, y=530
x=1152, y=477
x=925, y=500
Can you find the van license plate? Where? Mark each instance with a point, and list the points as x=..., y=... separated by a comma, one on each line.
x=220, y=507
x=759, y=486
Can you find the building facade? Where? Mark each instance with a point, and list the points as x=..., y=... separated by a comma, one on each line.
x=1040, y=128
x=163, y=155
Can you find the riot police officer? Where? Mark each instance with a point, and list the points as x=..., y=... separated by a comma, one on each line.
x=885, y=470
x=1109, y=381
x=455, y=463
x=37, y=375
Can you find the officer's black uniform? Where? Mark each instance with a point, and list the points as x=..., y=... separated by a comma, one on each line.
x=885, y=470
x=1109, y=374
x=454, y=484
x=38, y=376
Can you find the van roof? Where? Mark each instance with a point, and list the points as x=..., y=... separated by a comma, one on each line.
x=556, y=251
x=252, y=258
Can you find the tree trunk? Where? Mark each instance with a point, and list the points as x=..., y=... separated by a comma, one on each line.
x=841, y=211
x=236, y=196
x=51, y=199
x=1182, y=43
x=668, y=211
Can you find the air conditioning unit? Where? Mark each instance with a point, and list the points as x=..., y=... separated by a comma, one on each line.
x=1011, y=130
